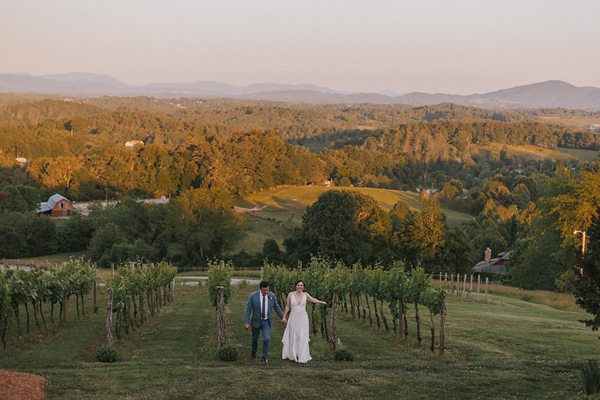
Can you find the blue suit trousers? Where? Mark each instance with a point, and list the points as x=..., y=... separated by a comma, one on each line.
x=265, y=327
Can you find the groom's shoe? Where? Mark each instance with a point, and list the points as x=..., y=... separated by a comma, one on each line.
x=265, y=360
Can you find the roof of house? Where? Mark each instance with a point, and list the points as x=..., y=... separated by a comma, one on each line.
x=49, y=205
x=495, y=266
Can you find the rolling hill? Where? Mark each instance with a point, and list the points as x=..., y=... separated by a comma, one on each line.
x=281, y=211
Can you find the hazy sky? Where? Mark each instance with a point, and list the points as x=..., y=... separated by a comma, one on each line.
x=455, y=46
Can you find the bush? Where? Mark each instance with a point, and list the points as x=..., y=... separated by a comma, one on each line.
x=590, y=376
x=107, y=354
x=343, y=355
x=228, y=353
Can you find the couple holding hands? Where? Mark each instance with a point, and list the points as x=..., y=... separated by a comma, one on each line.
x=296, y=336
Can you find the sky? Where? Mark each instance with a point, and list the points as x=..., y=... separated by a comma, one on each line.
x=397, y=46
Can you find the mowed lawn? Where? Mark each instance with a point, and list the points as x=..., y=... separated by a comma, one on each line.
x=506, y=349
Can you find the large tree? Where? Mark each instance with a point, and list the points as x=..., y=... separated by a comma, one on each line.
x=345, y=225
x=578, y=206
x=19, y=198
x=587, y=284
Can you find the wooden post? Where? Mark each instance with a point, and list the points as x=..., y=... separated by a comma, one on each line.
x=452, y=283
x=418, y=321
x=300, y=265
x=221, y=316
x=262, y=272
x=142, y=309
x=95, y=297
x=112, y=270
x=446, y=280
x=334, y=307
x=403, y=330
x=222, y=264
x=464, y=285
x=65, y=315
x=173, y=292
x=458, y=284
x=478, y=283
x=443, y=327
x=132, y=266
x=109, y=306
x=471, y=286
x=486, y=289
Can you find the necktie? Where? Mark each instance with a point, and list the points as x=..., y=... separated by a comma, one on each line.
x=264, y=308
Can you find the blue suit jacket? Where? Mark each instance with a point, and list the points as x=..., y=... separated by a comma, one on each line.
x=253, y=312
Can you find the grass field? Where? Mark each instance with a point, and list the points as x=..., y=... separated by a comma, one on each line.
x=576, y=121
x=541, y=153
x=283, y=207
x=507, y=349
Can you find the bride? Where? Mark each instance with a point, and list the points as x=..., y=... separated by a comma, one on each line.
x=296, y=336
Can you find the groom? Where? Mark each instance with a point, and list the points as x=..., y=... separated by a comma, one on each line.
x=260, y=305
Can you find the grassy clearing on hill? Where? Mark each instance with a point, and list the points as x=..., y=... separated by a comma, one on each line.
x=285, y=205
x=541, y=153
x=576, y=121
x=507, y=349
x=257, y=229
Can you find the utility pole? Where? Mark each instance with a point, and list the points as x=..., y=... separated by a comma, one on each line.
x=582, y=247
x=582, y=240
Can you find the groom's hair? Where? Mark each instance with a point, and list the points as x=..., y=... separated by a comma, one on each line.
x=264, y=284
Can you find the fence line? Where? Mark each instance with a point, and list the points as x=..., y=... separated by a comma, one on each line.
x=457, y=285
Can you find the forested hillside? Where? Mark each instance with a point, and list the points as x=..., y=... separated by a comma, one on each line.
x=78, y=147
x=501, y=168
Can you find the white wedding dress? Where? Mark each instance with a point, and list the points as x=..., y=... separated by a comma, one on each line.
x=296, y=336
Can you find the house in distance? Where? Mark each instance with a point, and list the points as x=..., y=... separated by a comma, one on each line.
x=57, y=206
x=493, y=266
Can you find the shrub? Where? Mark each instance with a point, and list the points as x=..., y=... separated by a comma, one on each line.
x=107, y=354
x=343, y=355
x=228, y=353
x=590, y=376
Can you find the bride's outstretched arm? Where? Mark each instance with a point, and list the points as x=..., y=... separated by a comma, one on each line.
x=313, y=300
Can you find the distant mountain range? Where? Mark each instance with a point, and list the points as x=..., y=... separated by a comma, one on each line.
x=549, y=94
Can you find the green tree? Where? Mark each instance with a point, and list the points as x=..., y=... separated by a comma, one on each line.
x=19, y=198
x=457, y=253
x=102, y=243
x=344, y=225
x=537, y=260
x=427, y=230
x=578, y=206
x=271, y=251
x=587, y=284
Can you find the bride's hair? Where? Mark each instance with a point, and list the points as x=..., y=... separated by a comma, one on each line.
x=298, y=281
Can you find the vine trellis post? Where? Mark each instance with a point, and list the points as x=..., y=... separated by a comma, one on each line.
x=221, y=316
x=443, y=327
x=109, y=313
x=334, y=310
x=95, y=296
